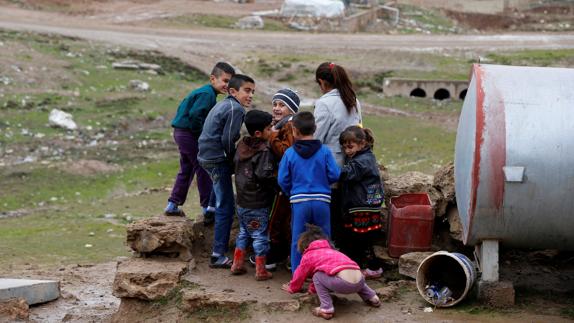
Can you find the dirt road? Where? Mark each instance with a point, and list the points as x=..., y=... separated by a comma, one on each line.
x=202, y=46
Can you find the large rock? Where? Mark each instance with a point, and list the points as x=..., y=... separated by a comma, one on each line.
x=409, y=263
x=170, y=236
x=443, y=182
x=194, y=300
x=251, y=22
x=413, y=182
x=61, y=119
x=455, y=226
x=14, y=309
x=147, y=279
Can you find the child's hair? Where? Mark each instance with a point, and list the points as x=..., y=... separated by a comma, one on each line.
x=304, y=122
x=237, y=81
x=357, y=134
x=337, y=77
x=313, y=233
x=222, y=67
x=257, y=120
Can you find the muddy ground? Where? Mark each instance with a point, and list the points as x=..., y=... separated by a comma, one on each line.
x=86, y=296
x=86, y=286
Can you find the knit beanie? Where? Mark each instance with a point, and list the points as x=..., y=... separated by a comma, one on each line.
x=289, y=98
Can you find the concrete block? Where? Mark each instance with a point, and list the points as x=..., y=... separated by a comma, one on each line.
x=498, y=294
x=33, y=291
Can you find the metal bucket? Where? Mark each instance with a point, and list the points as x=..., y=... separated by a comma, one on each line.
x=445, y=278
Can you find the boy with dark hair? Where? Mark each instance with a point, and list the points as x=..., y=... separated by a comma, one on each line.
x=255, y=183
x=188, y=124
x=305, y=174
x=216, y=151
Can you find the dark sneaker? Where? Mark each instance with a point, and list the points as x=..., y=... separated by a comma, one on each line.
x=220, y=262
x=208, y=218
x=176, y=212
x=269, y=267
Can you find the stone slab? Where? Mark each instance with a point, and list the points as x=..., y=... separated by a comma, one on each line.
x=33, y=291
x=409, y=263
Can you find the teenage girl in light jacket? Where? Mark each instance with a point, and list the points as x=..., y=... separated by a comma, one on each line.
x=336, y=110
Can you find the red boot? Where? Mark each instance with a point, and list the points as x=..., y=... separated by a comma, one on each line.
x=260, y=272
x=238, y=259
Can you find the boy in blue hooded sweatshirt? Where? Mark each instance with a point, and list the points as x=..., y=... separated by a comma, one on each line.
x=306, y=172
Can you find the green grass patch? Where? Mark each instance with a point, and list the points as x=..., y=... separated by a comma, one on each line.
x=405, y=144
x=55, y=238
x=416, y=20
x=418, y=105
x=25, y=186
x=216, y=21
x=555, y=57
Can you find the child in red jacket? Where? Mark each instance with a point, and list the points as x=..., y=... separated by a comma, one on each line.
x=331, y=270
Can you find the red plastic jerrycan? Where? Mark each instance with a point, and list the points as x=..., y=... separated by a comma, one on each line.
x=410, y=224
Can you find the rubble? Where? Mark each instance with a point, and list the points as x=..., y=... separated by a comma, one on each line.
x=412, y=182
x=409, y=263
x=289, y=305
x=455, y=226
x=139, y=86
x=250, y=22
x=162, y=236
x=499, y=294
x=147, y=279
x=61, y=119
x=194, y=300
x=14, y=309
x=387, y=293
x=443, y=182
x=136, y=65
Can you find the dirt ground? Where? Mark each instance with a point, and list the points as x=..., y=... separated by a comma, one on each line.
x=86, y=289
x=87, y=297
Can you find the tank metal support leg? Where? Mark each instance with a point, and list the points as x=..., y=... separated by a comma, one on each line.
x=487, y=253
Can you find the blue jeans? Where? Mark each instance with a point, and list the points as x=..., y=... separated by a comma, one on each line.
x=312, y=212
x=224, y=204
x=253, y=227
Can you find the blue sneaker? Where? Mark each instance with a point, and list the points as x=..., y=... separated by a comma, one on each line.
x=173, y=210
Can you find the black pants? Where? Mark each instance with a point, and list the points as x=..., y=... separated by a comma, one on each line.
x=359, y=247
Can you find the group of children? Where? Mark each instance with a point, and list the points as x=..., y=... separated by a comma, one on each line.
x=277, y=164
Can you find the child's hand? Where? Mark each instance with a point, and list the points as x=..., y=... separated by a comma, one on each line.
x=286, y=288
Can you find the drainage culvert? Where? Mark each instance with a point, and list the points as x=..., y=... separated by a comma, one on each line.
x=444, y=278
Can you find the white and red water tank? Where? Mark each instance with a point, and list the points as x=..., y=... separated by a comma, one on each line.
x=514, y=157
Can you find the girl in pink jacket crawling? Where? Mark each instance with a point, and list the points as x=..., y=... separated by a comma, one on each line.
x=331, y=270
